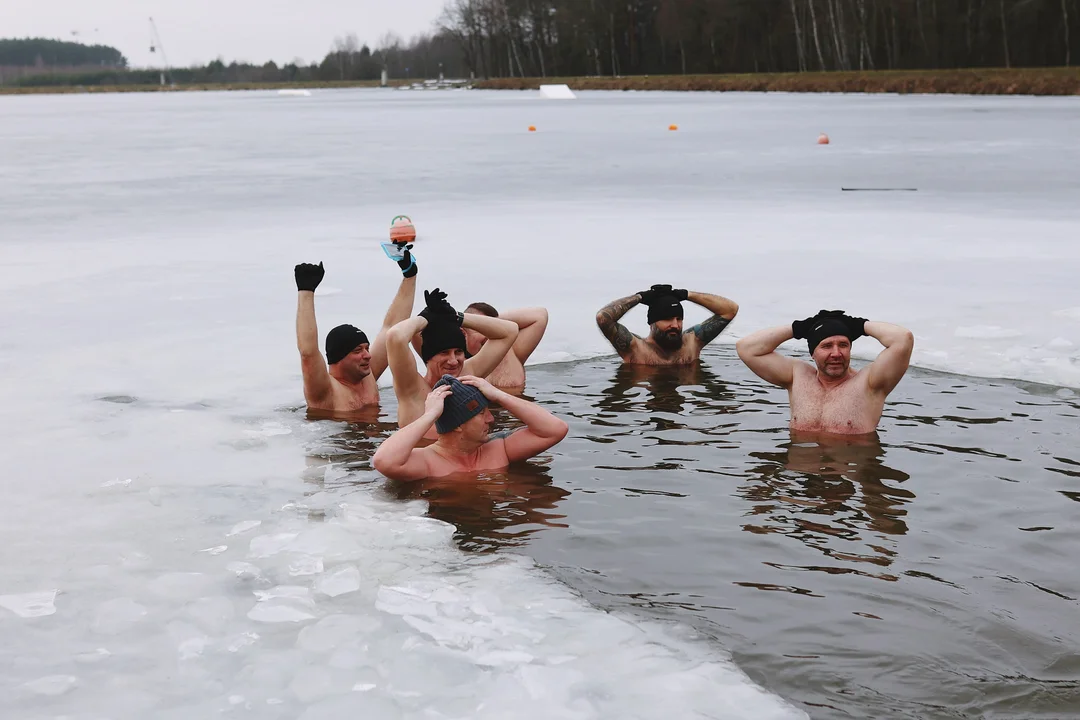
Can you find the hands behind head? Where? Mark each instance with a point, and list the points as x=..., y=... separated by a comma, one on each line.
x=855, y=326
x=308, y=276
x=658, y=291
x=438, y=307
x=433, y=405
x=489, y=391
x=407, y=263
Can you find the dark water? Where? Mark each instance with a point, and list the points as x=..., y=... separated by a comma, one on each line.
x=927, y=572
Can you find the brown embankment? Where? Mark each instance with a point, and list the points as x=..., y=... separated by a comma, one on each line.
x=1019, y=81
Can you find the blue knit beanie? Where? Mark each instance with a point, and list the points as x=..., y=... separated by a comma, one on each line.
x=464, y=403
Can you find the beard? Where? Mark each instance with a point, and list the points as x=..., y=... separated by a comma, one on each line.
x=668, y=339
x=834, y=371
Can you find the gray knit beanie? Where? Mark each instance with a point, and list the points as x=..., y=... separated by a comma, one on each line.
x=464, y=403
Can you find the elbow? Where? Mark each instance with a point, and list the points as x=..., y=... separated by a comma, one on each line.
x=564, y=429
x=909, y=341
x=511, y=332
x=559, y=431
x=743, y=349
x=602, y=321
x=396, y=335
x=381, y=463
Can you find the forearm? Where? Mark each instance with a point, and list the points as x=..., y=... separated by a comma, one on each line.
x=610, y=314
x=491, y=328
x=401, y=334
x=394, y=451
x=539, y=421
x=307, y=331
x=764, y=342
x=717, y=304
x=398, y=348
x=525, y=317
x=888, y=334
x=401, y=306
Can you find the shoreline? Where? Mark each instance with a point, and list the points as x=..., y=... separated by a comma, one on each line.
x=991, y=81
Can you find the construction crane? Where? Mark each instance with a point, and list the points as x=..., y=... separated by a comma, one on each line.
x=155, y=45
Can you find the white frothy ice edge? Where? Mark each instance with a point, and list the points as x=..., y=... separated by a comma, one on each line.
x=425, y=630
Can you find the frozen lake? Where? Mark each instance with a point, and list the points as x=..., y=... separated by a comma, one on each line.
x=180, y=541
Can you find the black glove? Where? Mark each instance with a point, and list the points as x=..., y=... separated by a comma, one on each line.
x=857, y=326
x=680, y=295
x=800, y=328
x=407, y=263
x=438, y=307
x=308, y=276
x=648, y=296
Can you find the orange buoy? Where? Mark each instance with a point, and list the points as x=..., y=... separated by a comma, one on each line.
x=402, y=229
x=672, y=127
x=823, y=139
x=532, y=128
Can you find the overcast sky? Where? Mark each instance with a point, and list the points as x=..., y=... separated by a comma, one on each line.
x=197, y=31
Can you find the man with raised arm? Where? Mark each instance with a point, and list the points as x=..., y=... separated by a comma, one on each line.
x=458, y=411
x=442, y=348
x=829, y=396
x=666, y=344
x=349, y=383
x=531, y=322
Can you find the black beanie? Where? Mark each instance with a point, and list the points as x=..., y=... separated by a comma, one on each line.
x=665, y=307
x=826, y=327
x=341, y=341
x=438, y=336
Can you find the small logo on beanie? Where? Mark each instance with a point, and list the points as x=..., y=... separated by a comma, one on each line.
x=472, y=405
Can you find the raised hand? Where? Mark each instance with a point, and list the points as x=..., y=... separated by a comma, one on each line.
x=437, y=306
x=487, y=389
x=681, y=295
x=856, y=326
x=648, y=296
x=800, y=328
x=308, y=276
x=408, y=262
x=433, y=405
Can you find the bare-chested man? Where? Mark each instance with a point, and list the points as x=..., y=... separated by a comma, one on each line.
x=349, y=384
x=829, y=396
x=442, y=348
x=458, y=412
x=531, y=322
x=667, y=344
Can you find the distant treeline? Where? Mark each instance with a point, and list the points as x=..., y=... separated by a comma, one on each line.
x=611, y=38
x=40, y=52
x=542, y=38
x=424, y=57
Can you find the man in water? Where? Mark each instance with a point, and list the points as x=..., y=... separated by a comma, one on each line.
x=531, y=323
x=667, y=344
x=829, y=396
x=349, y=383
x=458, y=411
x=442, y=348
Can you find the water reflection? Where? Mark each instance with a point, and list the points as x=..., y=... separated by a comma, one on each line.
x=667, y=389
x=828, y=491
x=490, y=510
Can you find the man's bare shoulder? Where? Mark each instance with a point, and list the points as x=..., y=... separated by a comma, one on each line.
x=802, y=373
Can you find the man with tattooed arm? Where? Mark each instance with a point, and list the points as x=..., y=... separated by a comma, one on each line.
x=666, y=343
